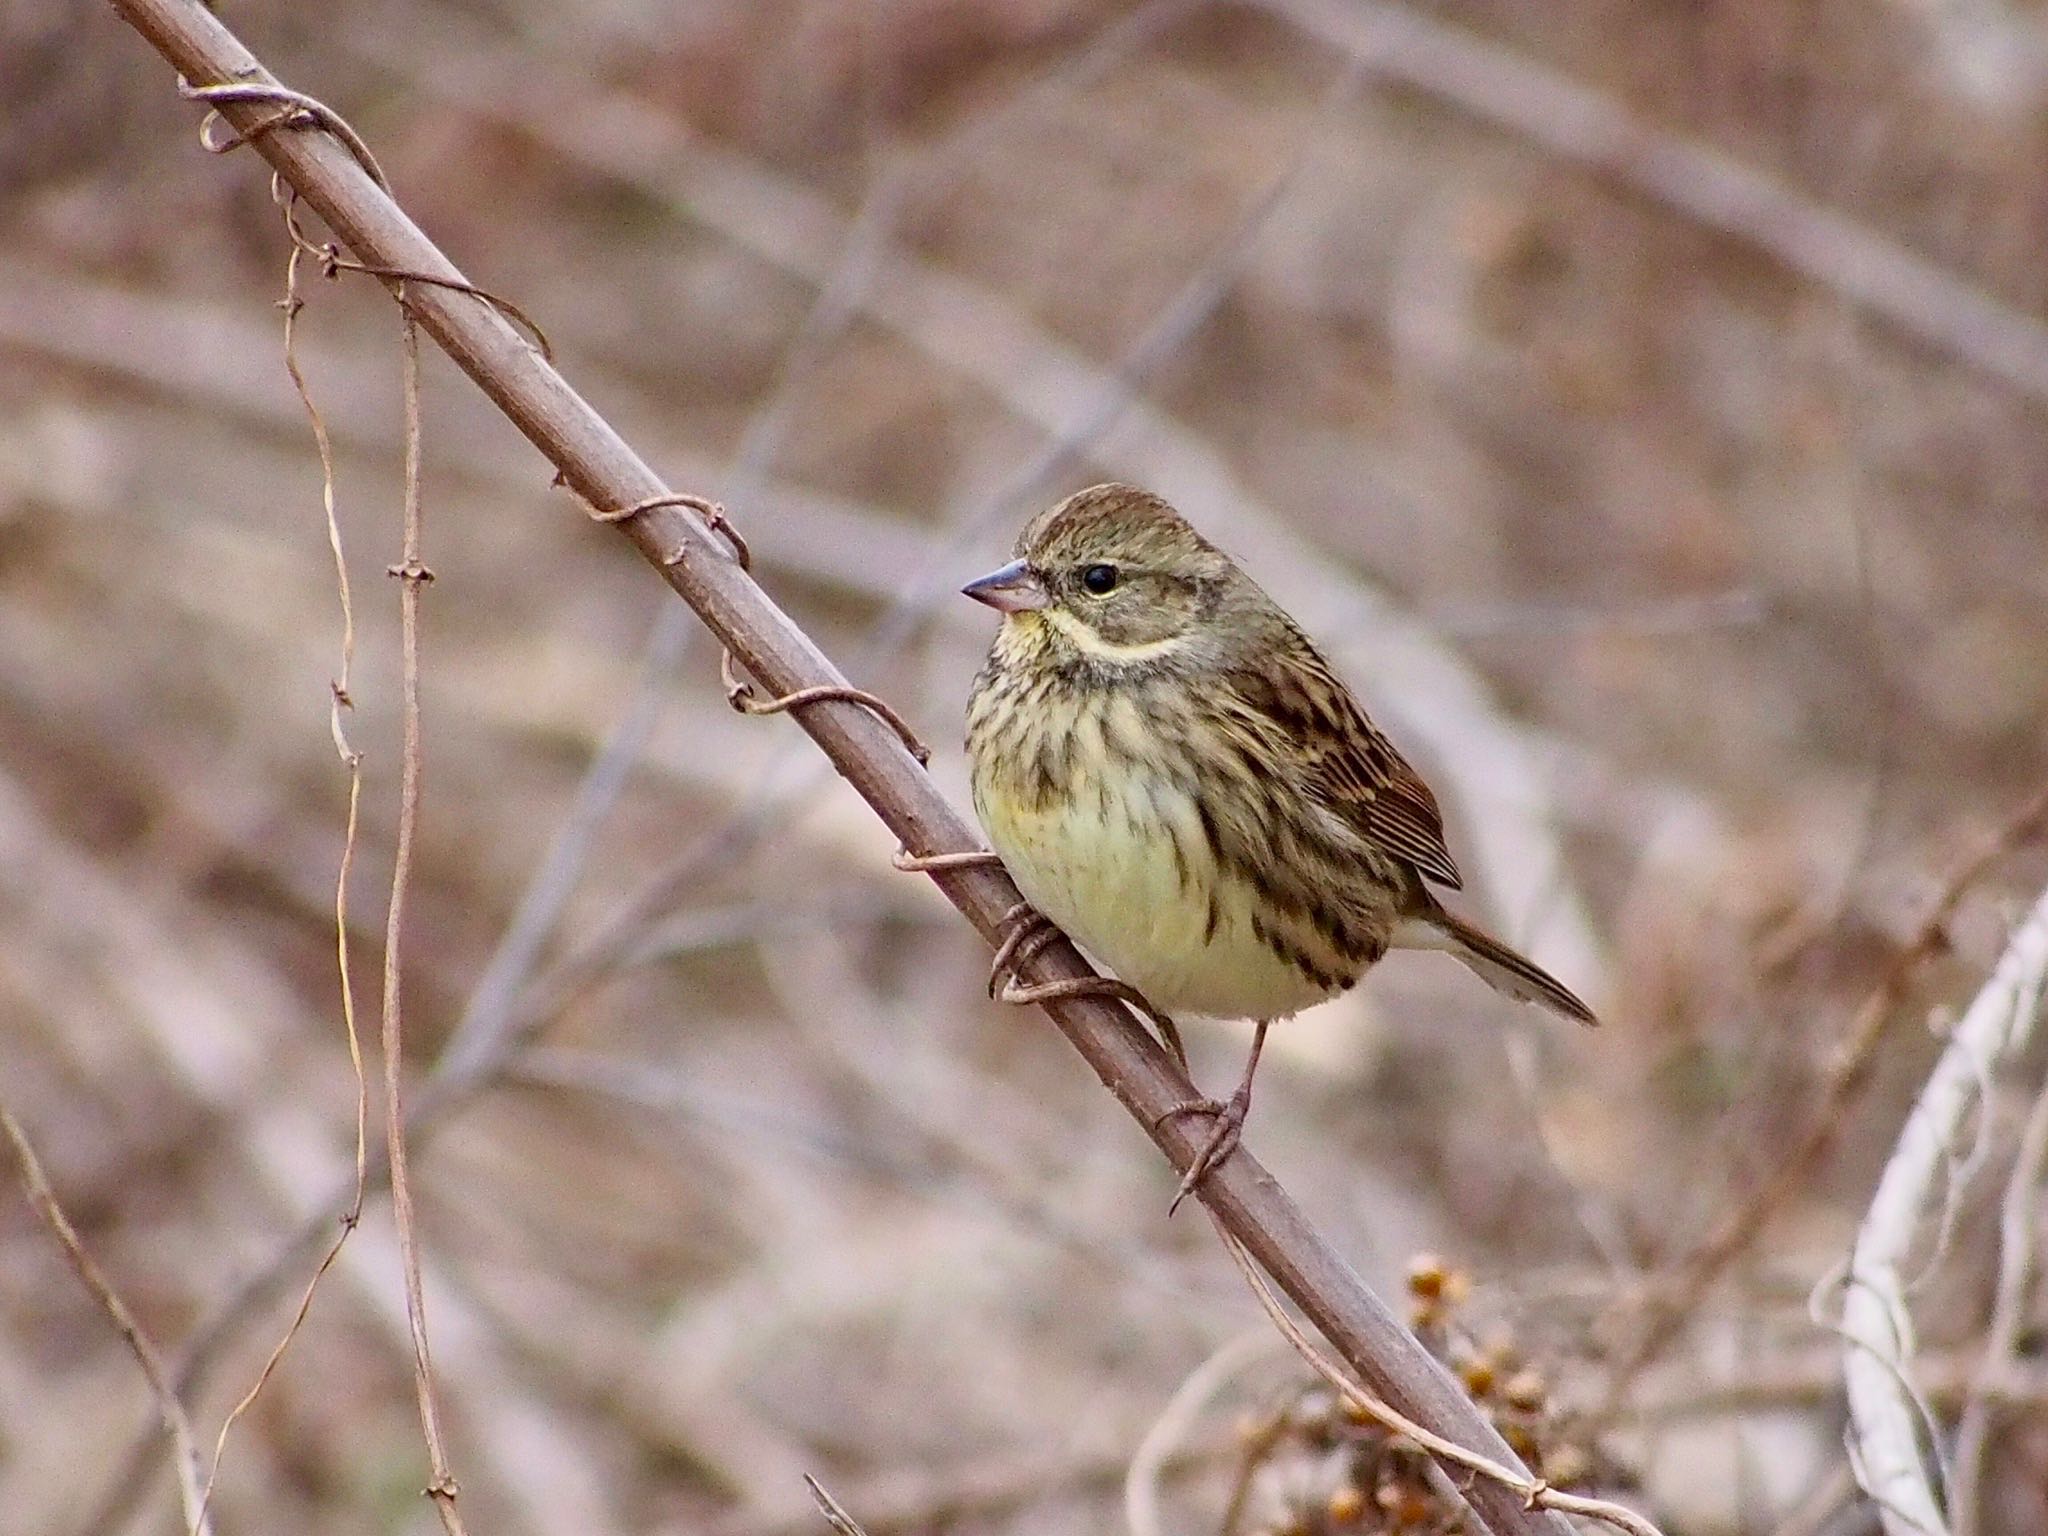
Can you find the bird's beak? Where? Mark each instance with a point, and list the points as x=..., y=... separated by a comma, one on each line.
x=1012, y=589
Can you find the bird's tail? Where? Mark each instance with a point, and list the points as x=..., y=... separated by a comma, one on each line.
x=1491, y=961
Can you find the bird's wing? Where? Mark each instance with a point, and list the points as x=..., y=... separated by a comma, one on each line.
x=1348, y=763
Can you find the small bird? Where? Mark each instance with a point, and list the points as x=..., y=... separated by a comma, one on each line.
x=1173, y=774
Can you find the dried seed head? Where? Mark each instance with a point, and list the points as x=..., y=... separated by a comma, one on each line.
x=1525, y=1390
x=1347, y=1506
x=1404, y=1503
x=1420, y=1509
x=1567, y=1466
x=1316, y=1412
x=1428, y=1275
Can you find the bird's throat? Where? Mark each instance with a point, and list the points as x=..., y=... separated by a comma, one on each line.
x=1092, y=643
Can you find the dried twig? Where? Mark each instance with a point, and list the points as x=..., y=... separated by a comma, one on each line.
x=185, y=1450
x=340, y=703
x=1917, y=1183
x=298, y=110
x=840, y=1521
x=412, y=575
x=594, y=461
x=200, y=357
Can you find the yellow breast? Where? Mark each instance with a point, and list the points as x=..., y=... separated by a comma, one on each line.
x=1119, y=859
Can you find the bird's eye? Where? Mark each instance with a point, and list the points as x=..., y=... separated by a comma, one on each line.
x=1099, y=579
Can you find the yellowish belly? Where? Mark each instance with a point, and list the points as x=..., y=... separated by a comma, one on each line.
x=1105, y=864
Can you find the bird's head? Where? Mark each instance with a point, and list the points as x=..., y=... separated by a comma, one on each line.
x=1116, y=576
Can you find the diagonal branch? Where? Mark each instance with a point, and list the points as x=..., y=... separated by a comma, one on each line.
x=592, y=459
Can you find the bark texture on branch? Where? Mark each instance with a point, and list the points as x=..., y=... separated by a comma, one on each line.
x=595, y=462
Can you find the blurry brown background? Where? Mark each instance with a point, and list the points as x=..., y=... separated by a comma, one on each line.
x=1701, y=570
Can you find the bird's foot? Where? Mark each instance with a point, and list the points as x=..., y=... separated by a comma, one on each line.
x=1026, y=931
x=1230, y=1116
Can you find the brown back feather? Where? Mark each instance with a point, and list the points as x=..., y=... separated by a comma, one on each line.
x=1350, y=765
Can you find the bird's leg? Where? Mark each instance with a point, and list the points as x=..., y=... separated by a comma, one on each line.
x=1230, y=1116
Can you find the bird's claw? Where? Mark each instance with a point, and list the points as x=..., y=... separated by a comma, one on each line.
x=1230, y=1116
x=1029, y=932
x=1026, y=932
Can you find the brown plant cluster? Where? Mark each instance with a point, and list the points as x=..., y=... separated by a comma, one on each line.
x=1643, y=406
x=1320, y=1467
